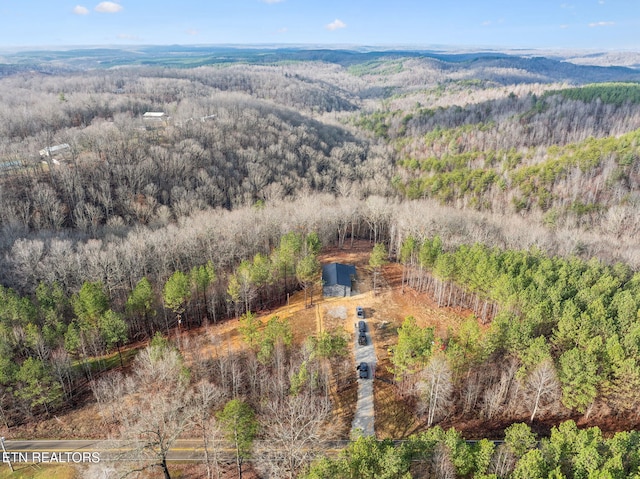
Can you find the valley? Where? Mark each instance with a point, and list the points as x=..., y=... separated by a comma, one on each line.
x=165, y=214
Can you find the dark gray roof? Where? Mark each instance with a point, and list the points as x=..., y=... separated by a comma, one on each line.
x=336, y=273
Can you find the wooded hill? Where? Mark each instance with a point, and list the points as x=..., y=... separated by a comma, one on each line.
x=504, y=185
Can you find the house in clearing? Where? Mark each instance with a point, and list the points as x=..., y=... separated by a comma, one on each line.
x=155, y=119
x=337, y=279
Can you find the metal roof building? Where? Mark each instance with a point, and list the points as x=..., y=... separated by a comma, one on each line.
x=51, y=151
x=337, y=279
x=155, y=119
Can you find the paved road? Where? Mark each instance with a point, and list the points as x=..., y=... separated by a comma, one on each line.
x=77, y=450
x=63, y=450
x=364, y=417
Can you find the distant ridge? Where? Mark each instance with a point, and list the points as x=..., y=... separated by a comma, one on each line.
x=545, y=69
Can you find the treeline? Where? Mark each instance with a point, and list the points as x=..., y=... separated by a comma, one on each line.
x=518, y=121
x=36, y=104
x=546, y=156
x=580, y=179
x=267, y=403
x=52, y=343
x=123, y=258
x=557, y=325
x=223, y=263
x=614, y=93
x=226, y=238
x=425, y=271
x=120, y=175
x=568, y=453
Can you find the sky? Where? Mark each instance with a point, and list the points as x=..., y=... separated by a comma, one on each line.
x=543, y=24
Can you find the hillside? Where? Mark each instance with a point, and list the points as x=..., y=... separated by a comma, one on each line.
x=502, y=190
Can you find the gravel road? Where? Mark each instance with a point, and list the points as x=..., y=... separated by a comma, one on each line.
x=364, y=417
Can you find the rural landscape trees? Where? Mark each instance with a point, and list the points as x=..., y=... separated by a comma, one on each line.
x=568, y=452
x=505, y=190
x=239, y=425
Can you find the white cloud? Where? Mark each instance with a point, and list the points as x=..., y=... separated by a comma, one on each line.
x=108, y=7
x=271, y=1
x=192, y=31
x=602, y=24
x=564, y=26
x=127, y=36
x=601, y=2
x=335, y=25
x=282, y=30
x=488, y=23
x=80, y=10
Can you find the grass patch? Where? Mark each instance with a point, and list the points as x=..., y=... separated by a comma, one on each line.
x=106, y=362
x=24, y=471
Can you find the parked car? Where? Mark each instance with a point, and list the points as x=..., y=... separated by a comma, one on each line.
x=362, y=327
x=363, y=370
x=360, y=312
x=362, y=339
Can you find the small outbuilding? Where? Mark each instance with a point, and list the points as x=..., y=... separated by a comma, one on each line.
x=337, y=279
x=54, y=151
x=155, y=119
x=56, y=155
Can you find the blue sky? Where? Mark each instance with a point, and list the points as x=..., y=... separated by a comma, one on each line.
x=588, y=24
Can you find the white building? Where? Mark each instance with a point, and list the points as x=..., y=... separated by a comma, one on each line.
x=155, y=119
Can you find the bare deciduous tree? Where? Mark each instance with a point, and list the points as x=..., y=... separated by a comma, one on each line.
x=293, y=427
x=497, y=395
x=157, y=422
x=109, y=391
x=443, y=467
x=542, y=387
x=206, y=397
x=435, y=387
x=503, y=461
x=163, y=408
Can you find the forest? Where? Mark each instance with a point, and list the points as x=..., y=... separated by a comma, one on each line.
x=504, y=186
